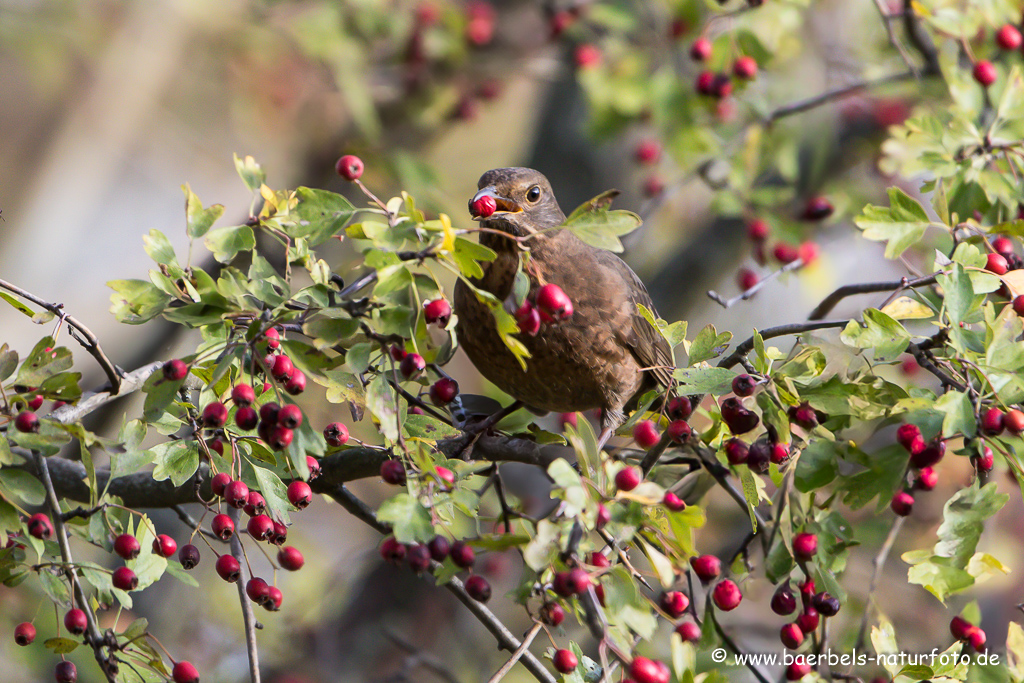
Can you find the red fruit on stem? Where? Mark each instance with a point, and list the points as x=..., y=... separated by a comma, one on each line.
x=645, y=434
x=258, y=590
x=586, y=56
x=391, y=550
x=336, y=434
x=124, y=579
x=757, y=230
x=175, y=370
x=269, y=413
x=246, y=418
x=743, y=385
x=184, y=672
x=24, y=633
x=279, y=437
x=418, y=556
x=393, y=472
x=785, y=253
x=808, y=620
x=705, y=84
x=791, y=636
x=647, y=152
x=443, y=391
x=551, y=299
x=804, y=546
x=65, y=672
x=552, y=614
x=984, y=72
x=260, y=527
x=817, y=208
x=478, y=588
x=439, y=548
x=282, y=368
x=674, y=603
x=570, y=583
x=996, y=263
x=76, y=622
x=1013, y=420
x=726, y=595
x=274, y=599
x=462, y=554
x=598, y=559
x=673, y=502
x=627, y=479
x=783, y=601
x=228, y=568
x=680, y=408
x=909, y=436
x=528, y=319
x=902, y=503
x=272, y=338
x=243, y=395
x=412, y=365
x=1003, y=245
x=1008, y=37
x=700, y=50
x=349, y=167
x=26, y=422
x=39, y=526
x=976, y=639
x=215, y=415
x=746, y=278
x=127, y=547
x=164, y=545
x=926, y=479
x=299, y=494
x=653, y=186
x=437, y=312
x=930, y=455
x=255, y=504
x=280, y=534
x=565, y=661
x=222, y=527
x=237, y=494
x=644, y=670
x=986, y=461
x=798, y=669
x=688, y=631
x=745, y=67
x=736, y=452
x=188, y=556
x=992, y=421
x=603, y=517
x=445, y=475
x=35, y=402
x=296, y=384
x=706, y=567
x=960, y=627
x=290, y=416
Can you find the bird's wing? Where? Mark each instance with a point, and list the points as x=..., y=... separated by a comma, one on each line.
x=647, y=344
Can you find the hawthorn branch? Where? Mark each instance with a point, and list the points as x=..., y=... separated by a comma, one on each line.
x=507, y=666
x=506, y=640
x=924, y=360
x=830, y=302
x=780, y=331
x=93, y=636
x=801, y=106
x=876, y=576
x=248, y=618
x=749, y=293
x=88, y=340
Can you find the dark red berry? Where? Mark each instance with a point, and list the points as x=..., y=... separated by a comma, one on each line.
x=757, y=230
x=437, y=312
x=393, y=472
x=746, y=279
x=478, y=588
x=783, y=601
x=645, y=434
x=808, y=620
x=246, y=418
x=976, y=639
x=280, y=534
x=236, y=494
x=565, y=661
x=791, y=636
x=391, y=550
x=24, y=633
x=290, y=558
x=679, y=408
x=127, y=547
x=827, y=604
x=679, y=431
x=688, y=631
x=27, y=422
x=296, y=384
x=930, y=455
x=124, y=579
x=909, y=436
x=443, y=391
x=219, y=483
x=76, y=622
x=804, y=416
x=260, y=527
x=570, y=583
x=984, y=72
x=164, y=545
x=552, y=614
x=726, y=595
x=215, y=415
x=902, y=503
x=349, y=167
x=674, y=603
x=282, y=368
x=817, y=208
x=647, y=152
x=603, y=517
x=299, y=494
x=673, y=502
x=175, y=370
x=290, y=416
x=462, y=554
x=269, y=413
x=272, y=338
x=336, y=434
x=992, y=421
x=188, y=556
x=738, y=418
x=439, y=548
x=65, y=672
x=39, y=526
x=736, y=452
x=700, y=50
x=960, y=627
x=926, y=479
x=255, y=504
x=984, y=462
x=555, y=302
x=804, y=546
x=743, y=385
x=528, y=319
x=228, y=568
x=243, y=395
x=598, y=559
x=412, y=365
x=418, y=556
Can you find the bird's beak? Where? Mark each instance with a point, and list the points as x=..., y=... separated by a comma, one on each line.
x=504, y=204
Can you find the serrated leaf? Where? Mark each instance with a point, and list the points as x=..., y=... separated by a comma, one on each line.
x=250, y=172
x=428, y=428
x=136, y=301
x=321, y=215
x=600, y=227
x=708, y=344
x=381, y=401
x=410, y=520
x=704, y=380
x=175, y=460
x=225, y=243
x=274, y=492
x=901, y=225
x=959, y=414
x=543, y=548
x=883, y=335
x=200, y=220
x=817, y=465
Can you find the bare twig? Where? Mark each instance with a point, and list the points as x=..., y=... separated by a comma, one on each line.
x=781, y=331
x=248, y=618
x=829, y=302
x=801, y=106
x=507, y=666
x=731, y=644
x=925, y=362
x=88, y=340
x=879, y=562
x=748, y=293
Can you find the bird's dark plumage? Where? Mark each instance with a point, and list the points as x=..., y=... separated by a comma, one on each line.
x=605, y=355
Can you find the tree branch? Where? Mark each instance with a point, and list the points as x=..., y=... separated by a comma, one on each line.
x=89, y=340
x=829, y=302
x=248, y=618
x=780, y=331
x=801, y=106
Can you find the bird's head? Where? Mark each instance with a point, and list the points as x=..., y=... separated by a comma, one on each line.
x=524, y=199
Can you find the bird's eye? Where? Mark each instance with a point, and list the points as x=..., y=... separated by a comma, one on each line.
x=533, y=194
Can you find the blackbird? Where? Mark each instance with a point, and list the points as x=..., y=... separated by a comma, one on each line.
x=605, y=355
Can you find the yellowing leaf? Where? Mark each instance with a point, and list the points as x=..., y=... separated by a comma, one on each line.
x=448, y=244
x=906, y=308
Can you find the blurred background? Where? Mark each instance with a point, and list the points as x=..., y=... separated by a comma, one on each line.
x=108, y=107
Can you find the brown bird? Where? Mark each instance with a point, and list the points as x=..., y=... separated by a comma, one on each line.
x=605, y=355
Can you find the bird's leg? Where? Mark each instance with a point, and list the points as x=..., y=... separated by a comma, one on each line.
x=610, y=420
x=606, y=433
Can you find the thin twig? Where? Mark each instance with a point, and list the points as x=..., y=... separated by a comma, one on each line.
x=801, y=106
x=904, y=55
x=248, y=618
x=731, y=644
x=90, y=343
x=879, y=562
x=748, y=293
x=780, y=331
x=507, y=666
x=829, y=302
x=93, y=635
x=925, y=362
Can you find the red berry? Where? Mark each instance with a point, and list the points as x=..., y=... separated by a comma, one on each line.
x=1003, y=245
x=700, y=50
x=296, y=384
x=960, y=627
x=462, y=554
x=336, y=434
x=785, y=253
x=603, y=517
x=986, y=461
x=997, y=264
x=746, y=278
x=791, y=636
x=675, y=603
x=222, y=527
x=24, y=633
x=483, y=206
x=269, y=413
x=258, y=590
x=565, y=419
x=783, y=601
x=228, y=568
x=282, y=368
x=552, y=614
x=391, y=550
x=553, y=301
x=27, y=421
x=647, y=152
x=909, y=436
x=39, y=526
x=808, y=252
x=1008, y=37
x=653, y=186
x=237, y=494
x=817, y=208
x=528, y=319
x=930, y=455
x=737, y=417
x=902, y=503
x=706, y=567
x=570, y=583
x=808, y=620
x=243, y=395
x=644, y=670
x=673, y=502
x=349, y=167
x=688, y=631
x=215, y=415
x=587, y=55
x=299, y=494
x=804, y=546
x=564, y=661
x=1014, y=421
x=745, y=67
x=255, y=504
x=798, y=669
x=445, y=475
x=827, y=605
x=188, y=556
x=443, y=391
x=438, y=312
x=984, y=72
x=184, y=672
x=65, y=672
x=598, y=559
x=418, y=556
x=290, y=416
x=439, y=548
x=976, y=639
x=127, y=547
x=645, y=434
x=743, y=385
x=175, y=370
x=757, y=230
x=35, y=402
x=274, y=599
x=76, y=622
x=272, y=338
x=726, y=595
x=280, y=534
x=279, y=437
x=412, y=365
x=926, y=480
x=393, y=472
x=260, y=527
x=246, y=418
x=680, y=408
x=736, y=452
x=478, y=588
x=758, y=456
x=627, y=479
x=780, y=453
x=992, y=421
x=164, y=545
x=679, y=431
x=125, y=579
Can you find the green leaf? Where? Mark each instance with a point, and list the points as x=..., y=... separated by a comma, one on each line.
x=328, y=331
x=200, y=220
x=703, y=380
x=381, y=400
x=41, y=364
x=959, y=414
x=428, y=428
x=817, y=466
x=175, y=460
x=136, y=301
x=159, y=248
x=596, y=225
x=543, y=548
x=23, y=486
x=321, y=215
x=958, y=293
x=963, y=521
x=900, y=226
x=708, y=344
x=886, y=337
x=61, y=646
x=8, y=362
x=274, y=492
x=410, y=520
x=160, y=393
x=467, y=254
x=225, y=243
x=250, y=172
